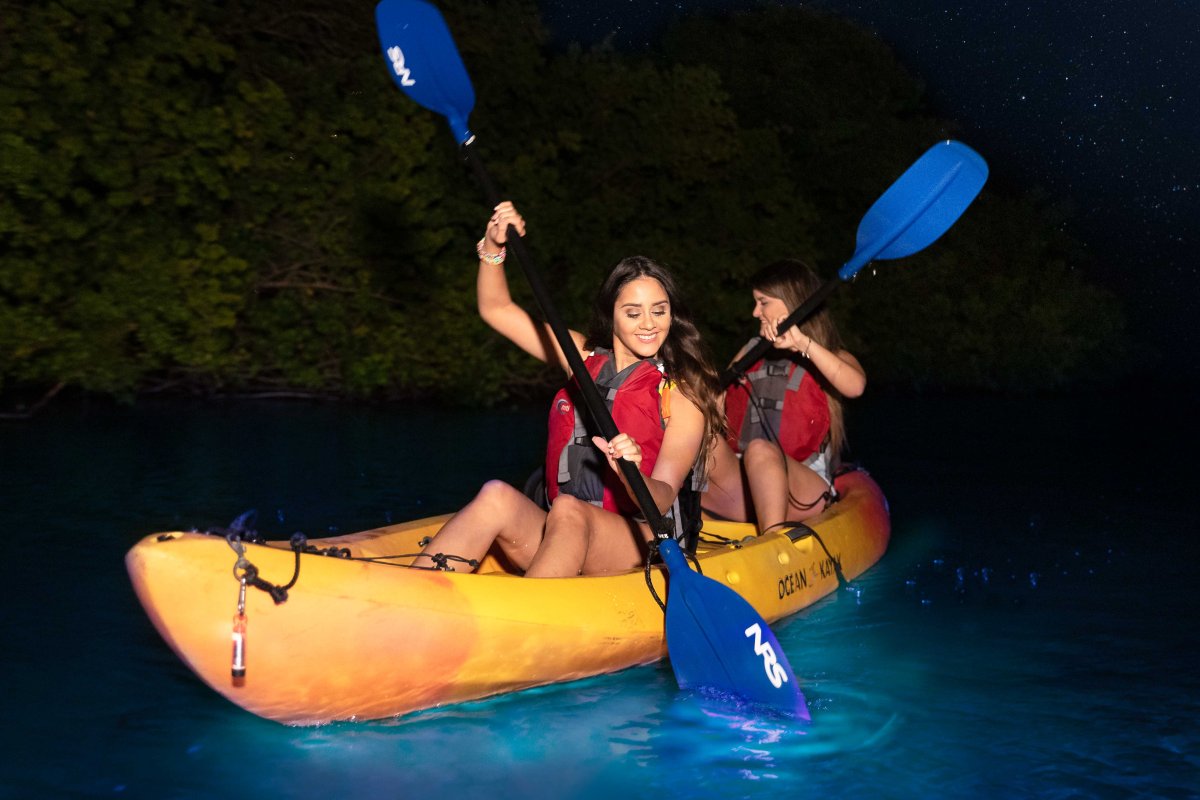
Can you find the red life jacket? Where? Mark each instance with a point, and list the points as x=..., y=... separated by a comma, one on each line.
x=573, y=464
x=785, y=403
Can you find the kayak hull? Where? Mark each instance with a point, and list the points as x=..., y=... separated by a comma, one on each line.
x=373, y=639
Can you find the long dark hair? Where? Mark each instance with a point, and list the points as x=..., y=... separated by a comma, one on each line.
x=793, y=282
x=682, y=352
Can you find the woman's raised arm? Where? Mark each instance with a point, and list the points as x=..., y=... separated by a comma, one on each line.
x=496, y=306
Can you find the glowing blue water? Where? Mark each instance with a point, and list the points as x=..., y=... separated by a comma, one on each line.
x=1031, y=632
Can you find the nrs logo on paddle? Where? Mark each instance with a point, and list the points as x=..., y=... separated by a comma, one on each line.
x=396, y=55
x=776, y=674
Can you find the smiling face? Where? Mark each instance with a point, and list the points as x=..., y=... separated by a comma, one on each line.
x=641, y=321
x=767, y=307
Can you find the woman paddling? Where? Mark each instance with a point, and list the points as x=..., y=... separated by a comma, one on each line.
x=644, y=352
x=784, y=419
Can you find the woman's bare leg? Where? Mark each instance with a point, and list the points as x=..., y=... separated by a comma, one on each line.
x=806, y=497
x=500, y=514
x=766, y=473
x=585, y=539
x=781, y=487
x=727, y=492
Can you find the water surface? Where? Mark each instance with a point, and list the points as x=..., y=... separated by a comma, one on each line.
x=1031, y=631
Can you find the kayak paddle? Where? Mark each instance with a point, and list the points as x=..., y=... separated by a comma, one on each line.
x=715, y=639
x=918, y=208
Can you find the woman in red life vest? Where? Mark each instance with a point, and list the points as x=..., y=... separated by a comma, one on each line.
x=644, y=352
x=784, y=430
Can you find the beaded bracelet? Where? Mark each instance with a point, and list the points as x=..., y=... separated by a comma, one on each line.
x=490, y=258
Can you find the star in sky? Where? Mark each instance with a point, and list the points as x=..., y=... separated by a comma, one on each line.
x=1095, y=101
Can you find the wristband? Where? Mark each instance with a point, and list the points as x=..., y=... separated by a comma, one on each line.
x=490, y=258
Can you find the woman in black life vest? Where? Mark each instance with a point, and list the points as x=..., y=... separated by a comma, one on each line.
x=666, y=405
x=784, y=418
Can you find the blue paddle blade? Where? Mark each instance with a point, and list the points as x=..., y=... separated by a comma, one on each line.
x=424, y=61
x=920, y=206
x=717, y=641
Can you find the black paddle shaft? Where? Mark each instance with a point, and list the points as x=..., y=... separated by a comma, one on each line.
x=591, y=396
x=737, y=369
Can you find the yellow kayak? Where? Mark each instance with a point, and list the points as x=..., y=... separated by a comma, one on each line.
x=367, y=637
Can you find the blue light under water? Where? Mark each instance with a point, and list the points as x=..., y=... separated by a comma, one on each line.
x=1027, y=634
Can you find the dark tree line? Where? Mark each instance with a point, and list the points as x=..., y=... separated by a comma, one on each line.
x=232, y=197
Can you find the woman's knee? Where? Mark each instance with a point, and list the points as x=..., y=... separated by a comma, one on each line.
x=760, y=451
x=568, y=513
x=497, y=495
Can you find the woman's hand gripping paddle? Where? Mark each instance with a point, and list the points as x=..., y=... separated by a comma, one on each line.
x=914, y=211
x=716, y=640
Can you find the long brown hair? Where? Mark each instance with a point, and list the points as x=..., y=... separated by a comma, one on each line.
x=682, y=352
x=793, y=282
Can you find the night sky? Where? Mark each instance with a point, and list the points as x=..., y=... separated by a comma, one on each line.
x=1097, y=103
